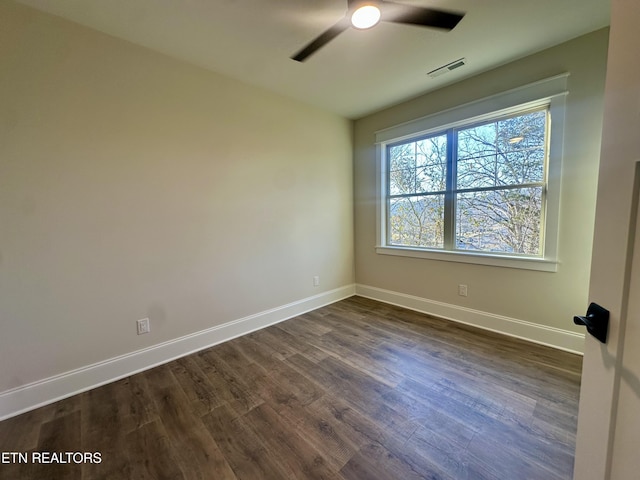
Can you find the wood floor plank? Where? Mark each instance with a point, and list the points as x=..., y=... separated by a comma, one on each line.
x=194, y=449
x=150, y=454
x=361, y=357
x=287, y=448
x=342, y=429
x=57, y=437
x=228, y=384
x=275, y=340
x=307, y=326
x=303, y=389
x=422, y=413
x=354, y=390
x=298, y=342
x=136, y=408
x=248, y=457
x=103, y=429
x=19, y=434
x=362, y=393
x=521, y=450
x=444, y=454
x=321, y=432
x=375, y=462
x=449, y=406
x=196, y=385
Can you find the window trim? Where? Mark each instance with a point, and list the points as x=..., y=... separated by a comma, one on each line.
x=549, y=92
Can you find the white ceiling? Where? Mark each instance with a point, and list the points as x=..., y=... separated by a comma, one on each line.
x=360, y=71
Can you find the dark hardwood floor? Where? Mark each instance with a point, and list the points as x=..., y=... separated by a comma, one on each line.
x=355, y=390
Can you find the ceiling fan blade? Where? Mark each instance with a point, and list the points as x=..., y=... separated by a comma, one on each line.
x=322, y=40
x=426, y=17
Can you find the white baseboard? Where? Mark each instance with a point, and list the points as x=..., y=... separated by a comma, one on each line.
x=28, y=397
x=550, y=336
x=43, y=392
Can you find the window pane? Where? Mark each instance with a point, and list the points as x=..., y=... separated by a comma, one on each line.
x=419, y=166
x=402, y=181
x=506, y=221
x=431, y=178
x=477, y=142
x=417, y=221
x=507, y=152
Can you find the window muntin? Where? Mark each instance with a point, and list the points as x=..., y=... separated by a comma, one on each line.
x=477, y=187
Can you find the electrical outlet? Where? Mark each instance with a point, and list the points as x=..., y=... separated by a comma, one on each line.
x=462, y=290
x=143, y=326
x=316, y=281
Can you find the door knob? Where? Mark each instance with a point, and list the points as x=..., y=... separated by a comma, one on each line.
x=596, y=321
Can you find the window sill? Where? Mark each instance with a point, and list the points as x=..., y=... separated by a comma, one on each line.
x=539, y=264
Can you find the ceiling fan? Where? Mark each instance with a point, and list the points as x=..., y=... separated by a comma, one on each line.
x=365, y=14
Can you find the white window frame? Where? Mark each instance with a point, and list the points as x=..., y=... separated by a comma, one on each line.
x=552, y=92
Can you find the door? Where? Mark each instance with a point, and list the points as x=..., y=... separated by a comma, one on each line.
x=625, y=458
x=608, y=439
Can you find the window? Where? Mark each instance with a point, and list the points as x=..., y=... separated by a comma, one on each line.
x=478, y=187
x=478, y=183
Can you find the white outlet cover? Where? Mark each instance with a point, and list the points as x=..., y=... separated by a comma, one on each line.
x=143, y=326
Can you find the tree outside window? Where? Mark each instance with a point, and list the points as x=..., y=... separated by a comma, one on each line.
x=478, y=187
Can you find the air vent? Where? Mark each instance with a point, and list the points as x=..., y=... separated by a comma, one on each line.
x=447, y=68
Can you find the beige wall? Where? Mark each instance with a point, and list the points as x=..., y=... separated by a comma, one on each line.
x=133, y=185
x=549, y=299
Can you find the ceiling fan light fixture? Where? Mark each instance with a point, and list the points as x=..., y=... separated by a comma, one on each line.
x=365, y=17
x=362, y=14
